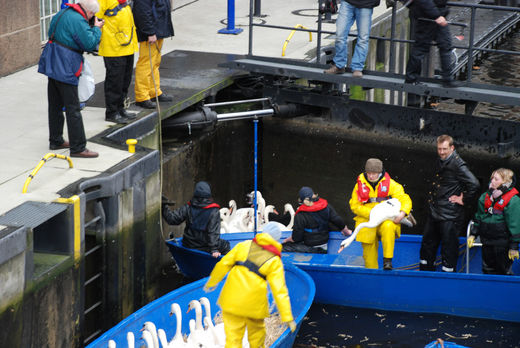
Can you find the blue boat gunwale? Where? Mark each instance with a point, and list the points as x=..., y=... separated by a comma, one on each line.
x=142, y=314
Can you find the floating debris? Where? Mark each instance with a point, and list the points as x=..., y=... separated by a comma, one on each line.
x=400, y=326
x=380, y=315
x=324, y=311
x=364, y=339
x=432, y=330
x=462, y=337
x=312, y=323
x=382, y=320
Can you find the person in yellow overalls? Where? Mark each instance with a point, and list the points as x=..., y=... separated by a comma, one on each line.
x=117, y=47
x=372, y=187
x=252, y=265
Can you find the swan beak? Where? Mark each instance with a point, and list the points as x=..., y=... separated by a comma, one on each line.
x=341, y=249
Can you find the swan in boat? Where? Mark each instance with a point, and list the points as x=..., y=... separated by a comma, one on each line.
x=177, y=340
x=148, y=339
x=162, y=338
x=111, y=344
x=386, y=210
x=150, y=327
x=288, y=208
x=202, y=336
x=130, y=339
x=217, y=331
x=198, y=337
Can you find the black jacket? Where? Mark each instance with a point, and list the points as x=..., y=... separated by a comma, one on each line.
x=452, y=177
x=364, y=3
x=205, y=238
x=306, y=221
x=431, y=9
x=152, y=17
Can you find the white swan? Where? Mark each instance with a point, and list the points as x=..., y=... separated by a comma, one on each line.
x=202, y=336
x=148, y=339
x=111, y=344
x=130, y=339
x=198, y=337
x=288, y=208
x=217, y=331
x=177, y=340
x=150, y=327
x=386, y=210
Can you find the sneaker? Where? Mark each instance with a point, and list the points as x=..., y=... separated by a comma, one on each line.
x=147, y=104
x=334, y=70
x=357, y=73
x=387, y=264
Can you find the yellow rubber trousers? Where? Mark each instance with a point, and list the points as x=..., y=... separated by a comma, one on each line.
x=235, y=326
x=386, y=233
x=144, y=86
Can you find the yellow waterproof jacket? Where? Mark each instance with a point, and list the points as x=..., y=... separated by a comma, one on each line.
x=118, y=35
x=245, y=292
x=362, y=210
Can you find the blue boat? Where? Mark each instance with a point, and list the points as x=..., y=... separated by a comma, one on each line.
x=341, y=279
x=301, y=291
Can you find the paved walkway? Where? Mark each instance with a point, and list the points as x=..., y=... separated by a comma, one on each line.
x=23, y=95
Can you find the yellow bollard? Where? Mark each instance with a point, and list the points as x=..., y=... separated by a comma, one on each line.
x=131, y=145
x=41, y=163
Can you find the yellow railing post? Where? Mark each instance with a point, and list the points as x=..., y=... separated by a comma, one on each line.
x=41, y=163
x=77, y=223
x=291, y=35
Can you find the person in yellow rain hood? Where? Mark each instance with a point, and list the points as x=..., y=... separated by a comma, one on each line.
x=252, y=265
x=372, y=187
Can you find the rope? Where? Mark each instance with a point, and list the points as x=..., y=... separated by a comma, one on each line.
x=160, y=132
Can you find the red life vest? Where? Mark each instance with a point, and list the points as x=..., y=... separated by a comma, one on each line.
x=498, y=207
x=383, y=187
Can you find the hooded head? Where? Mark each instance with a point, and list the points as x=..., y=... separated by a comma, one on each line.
x=306, y=193
x=273, y=230
x=202, y=190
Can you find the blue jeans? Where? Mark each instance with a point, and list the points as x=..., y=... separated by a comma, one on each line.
x=346, y=16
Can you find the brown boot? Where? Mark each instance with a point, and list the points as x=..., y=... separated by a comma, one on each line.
x=334, y=70
x=387, y=264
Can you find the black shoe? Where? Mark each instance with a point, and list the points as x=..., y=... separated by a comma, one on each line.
x=128, y=115
x=147, y=104
x=451, y=84
x=117, y=118
x=165, y=98
x=64, y=145
x=387, y=264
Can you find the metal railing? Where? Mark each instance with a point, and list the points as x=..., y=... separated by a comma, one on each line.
x=471, y=49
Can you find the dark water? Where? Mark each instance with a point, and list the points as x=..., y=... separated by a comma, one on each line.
x=335, y=326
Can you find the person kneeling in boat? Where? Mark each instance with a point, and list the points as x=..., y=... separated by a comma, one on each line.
x=372, y=187
x=311, y=224
x=202, y=217
x=252, y=265
x=497, y=222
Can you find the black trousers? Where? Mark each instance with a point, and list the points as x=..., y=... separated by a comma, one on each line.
x=495, y=260
x=424, y=33
x=61, y=95
x=435, y=233
x=117, y=80
x=223, y=247
x=301, y=248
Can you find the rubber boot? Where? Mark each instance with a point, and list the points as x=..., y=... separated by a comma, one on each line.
x=387, y=264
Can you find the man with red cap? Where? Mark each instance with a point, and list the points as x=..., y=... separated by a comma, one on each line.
x=311, y=224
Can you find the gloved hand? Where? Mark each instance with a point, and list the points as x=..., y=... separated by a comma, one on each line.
x=470, y=241
x=513, y=254
x=208, y=289
x=292, y=325
x=390, y=3
x=346, y=231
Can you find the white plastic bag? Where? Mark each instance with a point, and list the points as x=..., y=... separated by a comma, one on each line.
x=86, y=85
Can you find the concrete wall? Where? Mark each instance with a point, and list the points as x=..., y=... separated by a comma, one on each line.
x=19, y=35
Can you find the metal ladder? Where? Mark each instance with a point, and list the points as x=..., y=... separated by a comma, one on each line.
x=468, y=230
